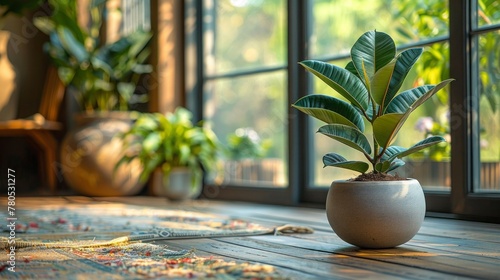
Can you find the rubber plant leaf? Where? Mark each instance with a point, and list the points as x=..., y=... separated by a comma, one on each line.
x=330, y=110
x=403, y=65
x=399, y=152
x=372, y=51
x=386, y=127
x=380, y=82
x=336, y=160
x=347, y=135
x=410, y=99
x=341, y=80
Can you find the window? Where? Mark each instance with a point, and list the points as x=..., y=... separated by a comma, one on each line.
x=247, y=54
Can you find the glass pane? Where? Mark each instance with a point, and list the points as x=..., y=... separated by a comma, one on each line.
x=249, y=115
x=488, y=12
x=430, y=166
x=337, y=24
x=489, y=102
x=247, y=34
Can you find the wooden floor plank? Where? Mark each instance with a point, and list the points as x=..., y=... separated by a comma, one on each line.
x=299, y=263
x=275, y=244
x=283, y=271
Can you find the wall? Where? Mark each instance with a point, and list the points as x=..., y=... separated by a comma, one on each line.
x=22, y=72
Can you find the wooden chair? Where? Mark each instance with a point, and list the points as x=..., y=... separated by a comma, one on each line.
x=40, y=127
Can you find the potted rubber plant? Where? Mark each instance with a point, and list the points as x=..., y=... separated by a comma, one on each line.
x=102, y=77
x=375, y=209
x=173, y=151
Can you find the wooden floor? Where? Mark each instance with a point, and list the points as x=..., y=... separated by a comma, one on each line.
x=443, y=249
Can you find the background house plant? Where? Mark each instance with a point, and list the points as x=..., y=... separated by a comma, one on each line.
x=104, y=75
x=103, y=78
x=247, y=161
x=171, y=145
x=393, y=208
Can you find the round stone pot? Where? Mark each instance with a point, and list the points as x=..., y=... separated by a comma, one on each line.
x=90, y=152
x=180, y=184
x=375, y=214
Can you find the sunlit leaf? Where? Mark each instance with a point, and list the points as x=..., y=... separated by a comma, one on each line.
x=387, y=126
x=404, y=63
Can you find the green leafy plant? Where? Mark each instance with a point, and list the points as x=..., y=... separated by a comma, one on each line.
x=246, y=143
x=104, y=75
x=168, y=141
x=370, y=83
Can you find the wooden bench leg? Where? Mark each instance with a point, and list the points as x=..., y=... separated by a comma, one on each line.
x=48, y=145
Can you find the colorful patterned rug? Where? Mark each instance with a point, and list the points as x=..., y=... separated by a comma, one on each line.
x=117, y=241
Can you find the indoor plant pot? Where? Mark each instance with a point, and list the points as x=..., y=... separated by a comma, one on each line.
x=179, y=184
x=90, y=152
x=360, y=210
x=380, y=214
x=167, y=144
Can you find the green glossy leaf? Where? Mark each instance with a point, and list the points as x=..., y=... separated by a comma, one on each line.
x=330, y=110
x=410, y=99
x=430, y=141
x=372, y=51
x=152, y=142
x=336, y=160
x=72, y=45
x=392, y=152
x=341, y=80
x=387, y=126
x=380, y=83
x=348, y=135
x=395, y=164
x=404, y=63
x=387, y=166
x=351, y=68
x=382, y=166
x=146, y=123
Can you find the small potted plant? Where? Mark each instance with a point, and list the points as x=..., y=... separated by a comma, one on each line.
x=375, y=209
x=172, y=150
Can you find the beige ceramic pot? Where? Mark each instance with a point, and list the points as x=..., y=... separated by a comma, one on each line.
x=90, y=152
x=377, y=214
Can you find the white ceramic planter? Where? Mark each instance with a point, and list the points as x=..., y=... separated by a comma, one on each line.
x=375, y=214
x=179, y=185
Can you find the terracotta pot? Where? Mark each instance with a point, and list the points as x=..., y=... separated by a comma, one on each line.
x=378, y=214
x=90, y=152
x=181, y=184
